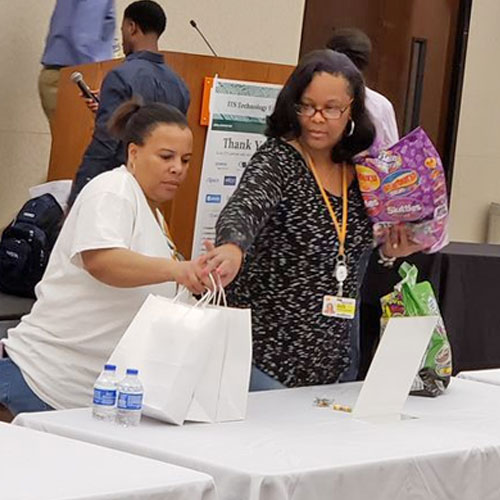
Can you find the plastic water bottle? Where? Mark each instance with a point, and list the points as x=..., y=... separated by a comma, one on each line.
x=130, y=394
x=104, y=404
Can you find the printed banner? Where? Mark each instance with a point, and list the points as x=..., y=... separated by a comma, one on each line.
x=238, y=112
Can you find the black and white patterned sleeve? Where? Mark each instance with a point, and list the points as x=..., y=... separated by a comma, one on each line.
x=248, y=209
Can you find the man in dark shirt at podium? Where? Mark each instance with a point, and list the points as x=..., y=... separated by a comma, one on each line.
x=143, y=73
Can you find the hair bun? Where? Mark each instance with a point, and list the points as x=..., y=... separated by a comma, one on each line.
x=118, y=122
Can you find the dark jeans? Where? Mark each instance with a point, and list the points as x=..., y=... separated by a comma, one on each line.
x=355, y=325
x=15, y=393
x=260, y=381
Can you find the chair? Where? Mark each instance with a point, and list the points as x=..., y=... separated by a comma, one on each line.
x=12, y=308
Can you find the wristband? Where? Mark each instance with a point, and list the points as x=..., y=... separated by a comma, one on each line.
x=385, y=261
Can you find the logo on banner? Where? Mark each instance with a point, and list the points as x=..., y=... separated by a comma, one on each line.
x=213, y=180
x=213, y=198
x=229, y=180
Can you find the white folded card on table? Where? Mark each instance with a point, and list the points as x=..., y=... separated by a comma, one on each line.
x=394, y=367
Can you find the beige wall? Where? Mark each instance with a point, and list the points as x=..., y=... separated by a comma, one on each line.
x=24, y=133
x=476, y=178
x=263, y=30
x=266, y=30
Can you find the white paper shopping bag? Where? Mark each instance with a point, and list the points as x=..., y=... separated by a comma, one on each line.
x=233, y=395
x=222, y=392
x=170, y=343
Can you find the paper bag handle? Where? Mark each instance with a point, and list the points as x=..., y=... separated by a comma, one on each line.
x=219, y=295
x=181, y=290
x=215, y=296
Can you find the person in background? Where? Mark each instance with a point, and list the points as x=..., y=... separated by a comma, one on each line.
x=356, y=45
x=291, y=237
x=81, y=31
x=113, y=251
x=144, y=74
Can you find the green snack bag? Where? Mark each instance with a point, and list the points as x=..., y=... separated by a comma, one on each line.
x=410, y=298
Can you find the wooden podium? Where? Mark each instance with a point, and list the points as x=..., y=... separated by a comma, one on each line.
x=74, y=124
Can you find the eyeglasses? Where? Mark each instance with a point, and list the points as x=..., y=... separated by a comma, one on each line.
x=329, y=113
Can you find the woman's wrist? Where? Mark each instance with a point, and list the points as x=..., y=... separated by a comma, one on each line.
x=168, y=269
x=234, y=247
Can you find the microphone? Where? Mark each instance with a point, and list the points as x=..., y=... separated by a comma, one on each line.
x=77, y=78
x=192, y=22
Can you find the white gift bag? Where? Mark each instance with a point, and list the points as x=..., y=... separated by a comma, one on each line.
x=222, y=392
x=169, y=343
x=184, y=354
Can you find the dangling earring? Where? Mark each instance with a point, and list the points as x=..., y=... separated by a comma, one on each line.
x=132, y=168
x=351, y=129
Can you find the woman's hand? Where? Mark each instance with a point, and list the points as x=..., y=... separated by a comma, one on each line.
x=224, y=260
x=189, y=274
x=398, y=243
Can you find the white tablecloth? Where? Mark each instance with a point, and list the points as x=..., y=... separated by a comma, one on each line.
x=39, y=466
x=486, y=376
x=288, y=449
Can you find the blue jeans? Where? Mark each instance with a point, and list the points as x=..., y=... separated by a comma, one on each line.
x=354, y=328
x=15, y=393
x=260, y=381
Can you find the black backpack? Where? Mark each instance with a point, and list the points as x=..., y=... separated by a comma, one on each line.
x=26, y=244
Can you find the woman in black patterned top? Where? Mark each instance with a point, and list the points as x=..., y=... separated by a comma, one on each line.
x=276, y=240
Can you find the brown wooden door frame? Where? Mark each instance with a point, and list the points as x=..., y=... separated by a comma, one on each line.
x=456, y=87
x=395, y=17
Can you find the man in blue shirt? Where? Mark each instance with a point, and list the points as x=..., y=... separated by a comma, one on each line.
x=143, y=73
x=81, y=31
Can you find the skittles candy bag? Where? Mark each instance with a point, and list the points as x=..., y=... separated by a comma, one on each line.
x=406, y=184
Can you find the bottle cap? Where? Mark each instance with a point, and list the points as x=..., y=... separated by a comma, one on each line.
x=110, y=368
x=132, y=371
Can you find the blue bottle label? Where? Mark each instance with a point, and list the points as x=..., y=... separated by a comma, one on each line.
x=105, y=397
x=127, y=401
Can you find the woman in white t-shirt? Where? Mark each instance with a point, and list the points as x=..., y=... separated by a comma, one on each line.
x=113, y=250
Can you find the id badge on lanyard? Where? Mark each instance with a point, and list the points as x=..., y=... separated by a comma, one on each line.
x=337, y=306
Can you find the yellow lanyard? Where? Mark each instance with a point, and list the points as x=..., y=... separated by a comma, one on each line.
x=341, y=230
x=168, y=235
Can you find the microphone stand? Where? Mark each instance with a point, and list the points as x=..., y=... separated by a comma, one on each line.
x=192, y=22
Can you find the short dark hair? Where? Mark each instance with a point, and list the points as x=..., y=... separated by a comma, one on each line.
x=133, y=121
x=284, y=122
x=354, y=43
x=148, y=15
